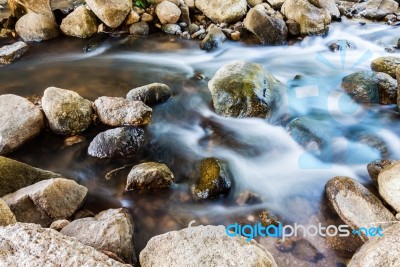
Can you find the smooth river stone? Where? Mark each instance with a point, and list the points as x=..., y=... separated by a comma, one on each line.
x=389, y=185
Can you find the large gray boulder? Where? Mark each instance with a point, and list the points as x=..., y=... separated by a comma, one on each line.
x=9, y=53
x=168, y=13
x=20, y=120
x=204, y=246
x=312, y=19
x=389, y=184
x=66, y=111
x=6, y=215
x=46, y=201
x=111, y=12
x=243, y=90
x=223, y=11
x=15, y=175
x=24, y=244
x=21, y=7
x=110, y=230
x=34, y=27
x=149, y=176
x=356, y=205
x=80, y=23
x=378, y=9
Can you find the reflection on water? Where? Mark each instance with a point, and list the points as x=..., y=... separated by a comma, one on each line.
x=262, y=155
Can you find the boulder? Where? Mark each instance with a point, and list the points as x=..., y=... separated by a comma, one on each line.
x=6, y=215
x=378, y=9
x=30, y=245
x=118, y=111
x=46, y=201
x=168, y=13
x=276, y=4
x=356, y=205
x=214, y=38
x=150, y=94
x=81, y=23
x=139, y=28
x=9, y=53
x=110, y=230
x=149, y=176
x=111, y=12
x=120, y=142
x=253, y=3
x=204, y=246
x=243, y=90
x=34, y=27
x=16, y=175
x=387, y=65
x=328, y=5
x=312, y=19
x=374, y=168
x=66, y=111
x=59, y=224
x=389, y=184
x=20, y=120
x=269, y=30
x=228, y=11
x=21, y=7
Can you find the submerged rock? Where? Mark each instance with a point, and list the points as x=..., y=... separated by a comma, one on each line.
x=378, y=9
x=214, y=38
x=356, y=205
x=150, y=94
x=207, y=246
x=9, y=53
x=118, y=111
x=21, y=7
x=214, y=179
x=81, y=23
x=16, y=175
x=46, y=201
x=111, y=12
x=243, y=90
x=110, y=230
x=374, y=168
x=20, y=121
x=389, y=184
x=31, y=245
x=34, y=27
x=228, y=11
x=149, y=176
x=387, y=65
x=122, y=142
x=67, y=112
x=6, y=215
x=168, y=13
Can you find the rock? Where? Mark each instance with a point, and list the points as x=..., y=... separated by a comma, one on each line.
x=214, y=38
x=66, y=111
x=378, y=9
x=386, y=64
x=80, y=23
x=248, y=198
x=122, y=142
x=21, y=7
x=374, y=168
x=379, y=252
x=59, y=224
x=31, y=245
x=356, y=205
x=185, y=14
x=305, y=251
x=193, y=28
x=276, y=4
x=139, y=28
x=389, y=184
x=340, y=45
x=6, y=215
x=214, y=179
x=149, y=176
x=293, y=27
x=269, y=30
x=46, y=201
x=228, y=11
x=20, y=121
x=189, y=3
x=207, y=246
x=132, y=17
x=111, y=12
x=398, y=86
x=328, y=5
x=110, y=230
x=344, y=246
x=370, y=87
x=171, y=28
x=16, y=175
x=118, y=111
x=312, y=20
x=253, y=3
x=150, y=94
x=34, y=27
x=244, y=90
x=168, y=13
x=146, y=17
x=9, y=53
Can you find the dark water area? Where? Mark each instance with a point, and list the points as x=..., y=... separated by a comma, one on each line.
x=261, y=154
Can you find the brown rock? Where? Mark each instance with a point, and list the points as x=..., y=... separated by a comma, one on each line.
x=34, y=27
x=80, y=23
x=168, y=13
x=59, y=224
x=149, y=176
x=6, y=215
x=21, y=7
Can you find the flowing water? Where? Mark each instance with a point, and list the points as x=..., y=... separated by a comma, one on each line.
x=262, y=155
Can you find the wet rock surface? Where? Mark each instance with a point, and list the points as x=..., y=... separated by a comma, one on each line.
x=22, y=7
x=110, y=230
x=389, y=184
x=214, y=38
x=150, y=94
x=80, y=23
x=6, y=215
x=139, y=28
x=122, y=142
x=387, y=65
x=9, y=53
x=212, y=245
x=149, y=176
x=46, y=201
x=34, y=27
x=31, y=245
x=111, y=12
x=375, y=168
x=20, y=121
x=226, y=11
